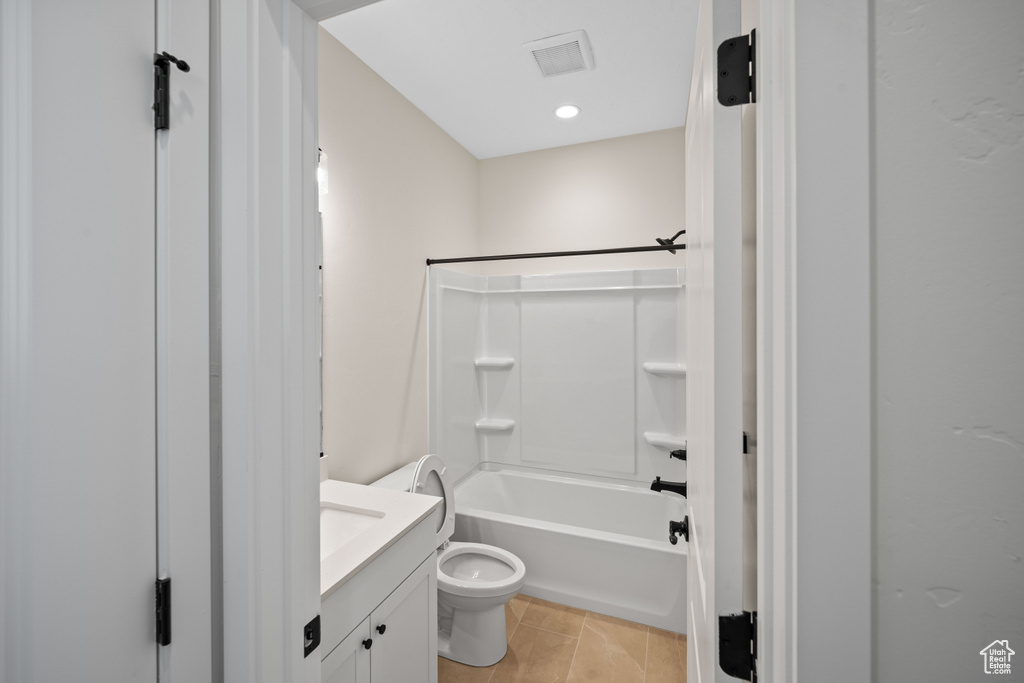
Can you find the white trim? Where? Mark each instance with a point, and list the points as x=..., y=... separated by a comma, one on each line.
x=264, y=147
x=814, y=296
x=776, y=490
x=16, y=647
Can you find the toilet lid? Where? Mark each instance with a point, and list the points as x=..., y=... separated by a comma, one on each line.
x=431, y=477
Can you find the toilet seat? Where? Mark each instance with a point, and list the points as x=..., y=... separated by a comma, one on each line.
x=495, y=572
x=431, y=477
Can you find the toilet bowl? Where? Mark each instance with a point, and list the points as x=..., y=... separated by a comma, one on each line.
x=474, y=580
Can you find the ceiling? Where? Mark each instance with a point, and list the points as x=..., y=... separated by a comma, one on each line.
x=463, y=64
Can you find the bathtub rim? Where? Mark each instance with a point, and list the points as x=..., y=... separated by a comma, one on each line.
x=557, y=527
x=543, y=472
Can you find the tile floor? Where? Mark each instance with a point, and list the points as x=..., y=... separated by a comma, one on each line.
x=552, y=643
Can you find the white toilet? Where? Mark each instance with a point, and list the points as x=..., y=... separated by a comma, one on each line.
x=474, y=580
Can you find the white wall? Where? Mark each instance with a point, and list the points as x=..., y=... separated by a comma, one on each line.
x=401, y=190
x=611, y=193
x=948, y=337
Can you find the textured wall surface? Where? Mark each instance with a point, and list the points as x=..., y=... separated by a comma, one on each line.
x=948, y=336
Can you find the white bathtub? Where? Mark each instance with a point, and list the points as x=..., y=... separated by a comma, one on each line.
x=589, y=544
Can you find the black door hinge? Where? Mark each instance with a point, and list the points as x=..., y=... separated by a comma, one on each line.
x=737, y=645
x=162, y=88
x=311, y=636
x=744, y=443
x=163, y=611
x=737, y=70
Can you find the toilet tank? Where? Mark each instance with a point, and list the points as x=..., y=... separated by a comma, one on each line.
x=399, y=480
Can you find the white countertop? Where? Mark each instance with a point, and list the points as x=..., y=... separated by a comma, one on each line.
x=398, y=512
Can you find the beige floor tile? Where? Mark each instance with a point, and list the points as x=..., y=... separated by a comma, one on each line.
x=453, y=672
x=551, y=616
x=514, y=610
x=610, y=651
x=666, y=657
x=535, y=656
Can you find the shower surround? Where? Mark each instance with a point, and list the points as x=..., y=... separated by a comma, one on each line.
x=579, y=376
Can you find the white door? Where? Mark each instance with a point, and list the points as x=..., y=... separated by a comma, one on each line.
x=714, y=329
x=84, y=541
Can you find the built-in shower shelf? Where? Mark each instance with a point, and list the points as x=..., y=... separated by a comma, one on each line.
x=495, y=425
x=494, y=363
x=666, y=369
x=665, y=440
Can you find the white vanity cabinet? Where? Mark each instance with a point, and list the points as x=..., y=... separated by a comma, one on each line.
x=393, y=644
x=379, y=622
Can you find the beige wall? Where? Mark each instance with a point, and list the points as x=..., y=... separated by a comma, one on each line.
x=612, y=193
x=400, y=190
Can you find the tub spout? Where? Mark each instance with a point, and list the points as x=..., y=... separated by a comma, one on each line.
x=673, y=486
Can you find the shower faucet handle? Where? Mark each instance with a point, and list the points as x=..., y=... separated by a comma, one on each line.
x=677, y=528
x=679, y=454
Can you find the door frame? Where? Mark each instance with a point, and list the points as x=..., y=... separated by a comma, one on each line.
x=263, y=144
x=814, y=236
x=264, y=208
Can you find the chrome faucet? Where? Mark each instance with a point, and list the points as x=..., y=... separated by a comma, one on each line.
x=673, y=486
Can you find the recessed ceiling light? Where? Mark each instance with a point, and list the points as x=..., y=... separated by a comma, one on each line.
x=567, y=111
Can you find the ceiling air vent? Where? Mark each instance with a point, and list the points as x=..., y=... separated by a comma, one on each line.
x=562, y=54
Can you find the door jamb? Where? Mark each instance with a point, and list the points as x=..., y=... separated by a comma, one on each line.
x=814, y=297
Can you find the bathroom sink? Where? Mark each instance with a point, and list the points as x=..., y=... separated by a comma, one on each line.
x=339, y=524
x=358, y=523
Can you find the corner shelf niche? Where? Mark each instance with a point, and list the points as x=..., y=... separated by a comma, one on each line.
x=494, y=363
x=495, y=425
x=669, y=441
x=666, y=369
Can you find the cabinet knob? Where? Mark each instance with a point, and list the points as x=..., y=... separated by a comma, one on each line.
x=368, y=643
x=382, y=628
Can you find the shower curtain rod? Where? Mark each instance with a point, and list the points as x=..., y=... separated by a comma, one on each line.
x=551, y=254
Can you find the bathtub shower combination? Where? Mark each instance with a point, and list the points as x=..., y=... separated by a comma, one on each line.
x=555, y=402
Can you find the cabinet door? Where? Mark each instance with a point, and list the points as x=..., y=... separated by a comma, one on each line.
x=350, y=661
x=403, y=649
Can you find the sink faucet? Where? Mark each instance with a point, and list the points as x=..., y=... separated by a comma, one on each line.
x=673, y=486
